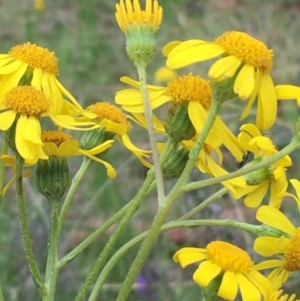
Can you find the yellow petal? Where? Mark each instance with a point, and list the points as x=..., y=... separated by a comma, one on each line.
x=229, y=286
x=267, y=104
x=6, y=119
x=254, y=198
x=12, y=80
x=11, y=67
x=206, y=272
x=182, y=55
x=244, y=82
x=187, y=256
x=248, y=291
x=275, y=218
x=169, y=47
x=287, y=92
x=268, y=246
x=224, y=67
x=268, y=264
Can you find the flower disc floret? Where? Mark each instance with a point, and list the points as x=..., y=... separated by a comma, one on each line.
x=229, y=257
x=27, y=100
x=188, y=88
x=55, y=137
x=105, y=110
x=36, y=57
x=292, y=255
x=247, y=49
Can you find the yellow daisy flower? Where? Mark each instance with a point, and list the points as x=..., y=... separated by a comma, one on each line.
x=30, y=64
x=287, y=245
x=114, y=120
x=243, y=57
x=235, y=266
x=259, y=182
x=25, y=105
x=191, y=90
x=62, y=145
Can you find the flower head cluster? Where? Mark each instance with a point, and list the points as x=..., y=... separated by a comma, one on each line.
x=232, y=264
x=243, y=58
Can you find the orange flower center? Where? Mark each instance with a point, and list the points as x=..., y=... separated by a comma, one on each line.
x=105, y=110
x=27, y=100
x=188, y=88
x=292, y=255
x=55, y=137
x=229, y=257
x=249, y=50
x=36, y=57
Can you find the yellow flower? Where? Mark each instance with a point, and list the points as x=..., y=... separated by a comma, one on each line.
x=260, y=181
x=287, y=245
x=191, y=90
x=115, y=121
x=233, y=263
x=243, y=57
x=62, y=145
x=25, y=105
x=29, y=64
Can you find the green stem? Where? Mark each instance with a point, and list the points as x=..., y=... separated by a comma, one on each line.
x=165, y=207
x=3, y=151
x=75, y=252
x=257, y=230
x=75, y=182
x=141, y=68
x=295, y=144
x=204, y=204
x=102, y=258
x=52, y=267
x=25, y=231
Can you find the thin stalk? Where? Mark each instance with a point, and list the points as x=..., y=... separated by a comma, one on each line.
x=141, y=68
x=102, y=258
x=76, y=251
x=165, y=207
x=75, y=182
x=204, y=204
x=52, y=267
x=294, y=144
x=25, y=231
x=256, y=230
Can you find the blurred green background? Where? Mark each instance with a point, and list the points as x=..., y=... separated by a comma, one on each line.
x=85, y=37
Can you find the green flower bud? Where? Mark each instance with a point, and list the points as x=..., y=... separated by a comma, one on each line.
x=177, y=124
x=175, y=164
x=52, y=177
x=140, y=28
x=95, y=137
